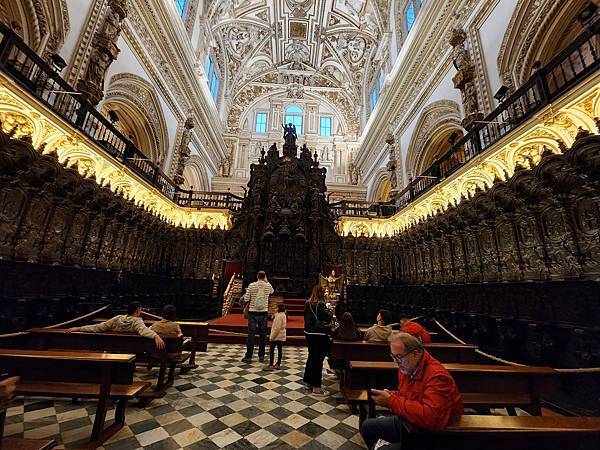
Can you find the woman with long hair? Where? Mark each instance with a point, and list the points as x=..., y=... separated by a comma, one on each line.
x=347, y=331
x=317, y=330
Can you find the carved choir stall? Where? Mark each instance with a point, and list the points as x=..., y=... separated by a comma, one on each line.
x=285, y=226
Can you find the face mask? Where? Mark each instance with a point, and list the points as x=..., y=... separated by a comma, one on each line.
x=405, y=370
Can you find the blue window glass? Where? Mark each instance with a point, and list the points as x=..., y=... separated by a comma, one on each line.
x=373, y=97
x=212, y=78
x=261, y=123
x=410, y=16
x=181, y=6
x=208, y=67
x=325, y=126
x=293, y=115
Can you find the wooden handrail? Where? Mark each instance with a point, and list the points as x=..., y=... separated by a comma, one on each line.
x=228, y=296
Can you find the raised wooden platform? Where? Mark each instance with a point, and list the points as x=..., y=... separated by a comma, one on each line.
x=232, y=329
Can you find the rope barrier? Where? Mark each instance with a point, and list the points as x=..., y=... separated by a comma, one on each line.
x=495, y=358
x=77, y=319
x=449, y=333
x=227, y=332
x=580, y=370
x=20, y=333
x=512, y=363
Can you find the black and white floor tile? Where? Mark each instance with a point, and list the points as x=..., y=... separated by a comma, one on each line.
x=224, y=403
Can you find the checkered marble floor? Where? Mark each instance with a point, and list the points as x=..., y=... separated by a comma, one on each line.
x=224, y=403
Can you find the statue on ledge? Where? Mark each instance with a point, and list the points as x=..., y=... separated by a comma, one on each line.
x=289, y=134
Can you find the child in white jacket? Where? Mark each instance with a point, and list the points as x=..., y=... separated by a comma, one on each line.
x=277, y=337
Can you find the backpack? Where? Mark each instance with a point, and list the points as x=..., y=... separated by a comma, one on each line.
x=261, y=299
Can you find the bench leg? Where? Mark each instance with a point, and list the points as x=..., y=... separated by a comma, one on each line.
x=161, y=375
x=120, y=411
x=371, y=404
x=362, y=413
x=100, y=418
x=171, y=376
x=2, y=420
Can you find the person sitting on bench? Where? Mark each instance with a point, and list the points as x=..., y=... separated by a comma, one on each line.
x=167, y=325
x=427, y=395
x=382, y=329
x=347, y=330
x=414, y=329
x=129, y=323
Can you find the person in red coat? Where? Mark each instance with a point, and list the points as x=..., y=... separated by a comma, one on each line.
x=427, y=395
x=413, y=328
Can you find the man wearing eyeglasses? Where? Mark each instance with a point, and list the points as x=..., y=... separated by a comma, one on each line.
x=427, y=395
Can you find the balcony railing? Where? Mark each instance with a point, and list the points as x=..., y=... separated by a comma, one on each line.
x=198, y=199
x=33, y=74
x=363, y=209
x=28, y=69
x=575, y=63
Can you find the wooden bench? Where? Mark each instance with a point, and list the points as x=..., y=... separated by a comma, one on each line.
x=10, y=443
x=73, y=374
x=482, y=386
x=505, y=432
x=196, y=331
x=342, y=352
x=47, y=339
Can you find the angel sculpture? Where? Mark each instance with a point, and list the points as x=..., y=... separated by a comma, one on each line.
x=289, y=134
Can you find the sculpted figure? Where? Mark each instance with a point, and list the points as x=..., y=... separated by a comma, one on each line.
x=289, y=134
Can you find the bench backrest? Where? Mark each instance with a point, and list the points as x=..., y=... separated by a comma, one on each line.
x=65, y=366
x=196, y=330
x=468, y=377
x=44, y=339
x=380, y=351
x=502, y=432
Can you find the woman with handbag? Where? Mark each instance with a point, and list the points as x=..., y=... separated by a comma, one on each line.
x=317, y=330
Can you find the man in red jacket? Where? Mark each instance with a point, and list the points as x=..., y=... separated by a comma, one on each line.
x=413, y=328
x=427, y=395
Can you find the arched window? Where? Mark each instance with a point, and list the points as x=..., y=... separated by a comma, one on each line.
x=181, y=6
x=410, y=16
x=293, y=115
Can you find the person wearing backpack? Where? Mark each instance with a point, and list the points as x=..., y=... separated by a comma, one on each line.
x=257, y=297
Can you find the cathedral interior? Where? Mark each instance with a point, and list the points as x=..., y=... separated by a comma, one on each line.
x=436, y=159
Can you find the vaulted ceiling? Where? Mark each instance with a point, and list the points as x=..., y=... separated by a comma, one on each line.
x=330, y=48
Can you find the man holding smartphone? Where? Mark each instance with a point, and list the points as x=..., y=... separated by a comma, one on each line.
x=427, y=395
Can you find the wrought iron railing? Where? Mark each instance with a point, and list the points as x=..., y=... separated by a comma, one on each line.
x=363, y=209
x=572, y=65
x=199, y=199
x=32, y=73
x=36, y=76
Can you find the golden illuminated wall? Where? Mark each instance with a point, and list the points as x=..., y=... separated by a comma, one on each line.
x=524, y=147
x=22, y=114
